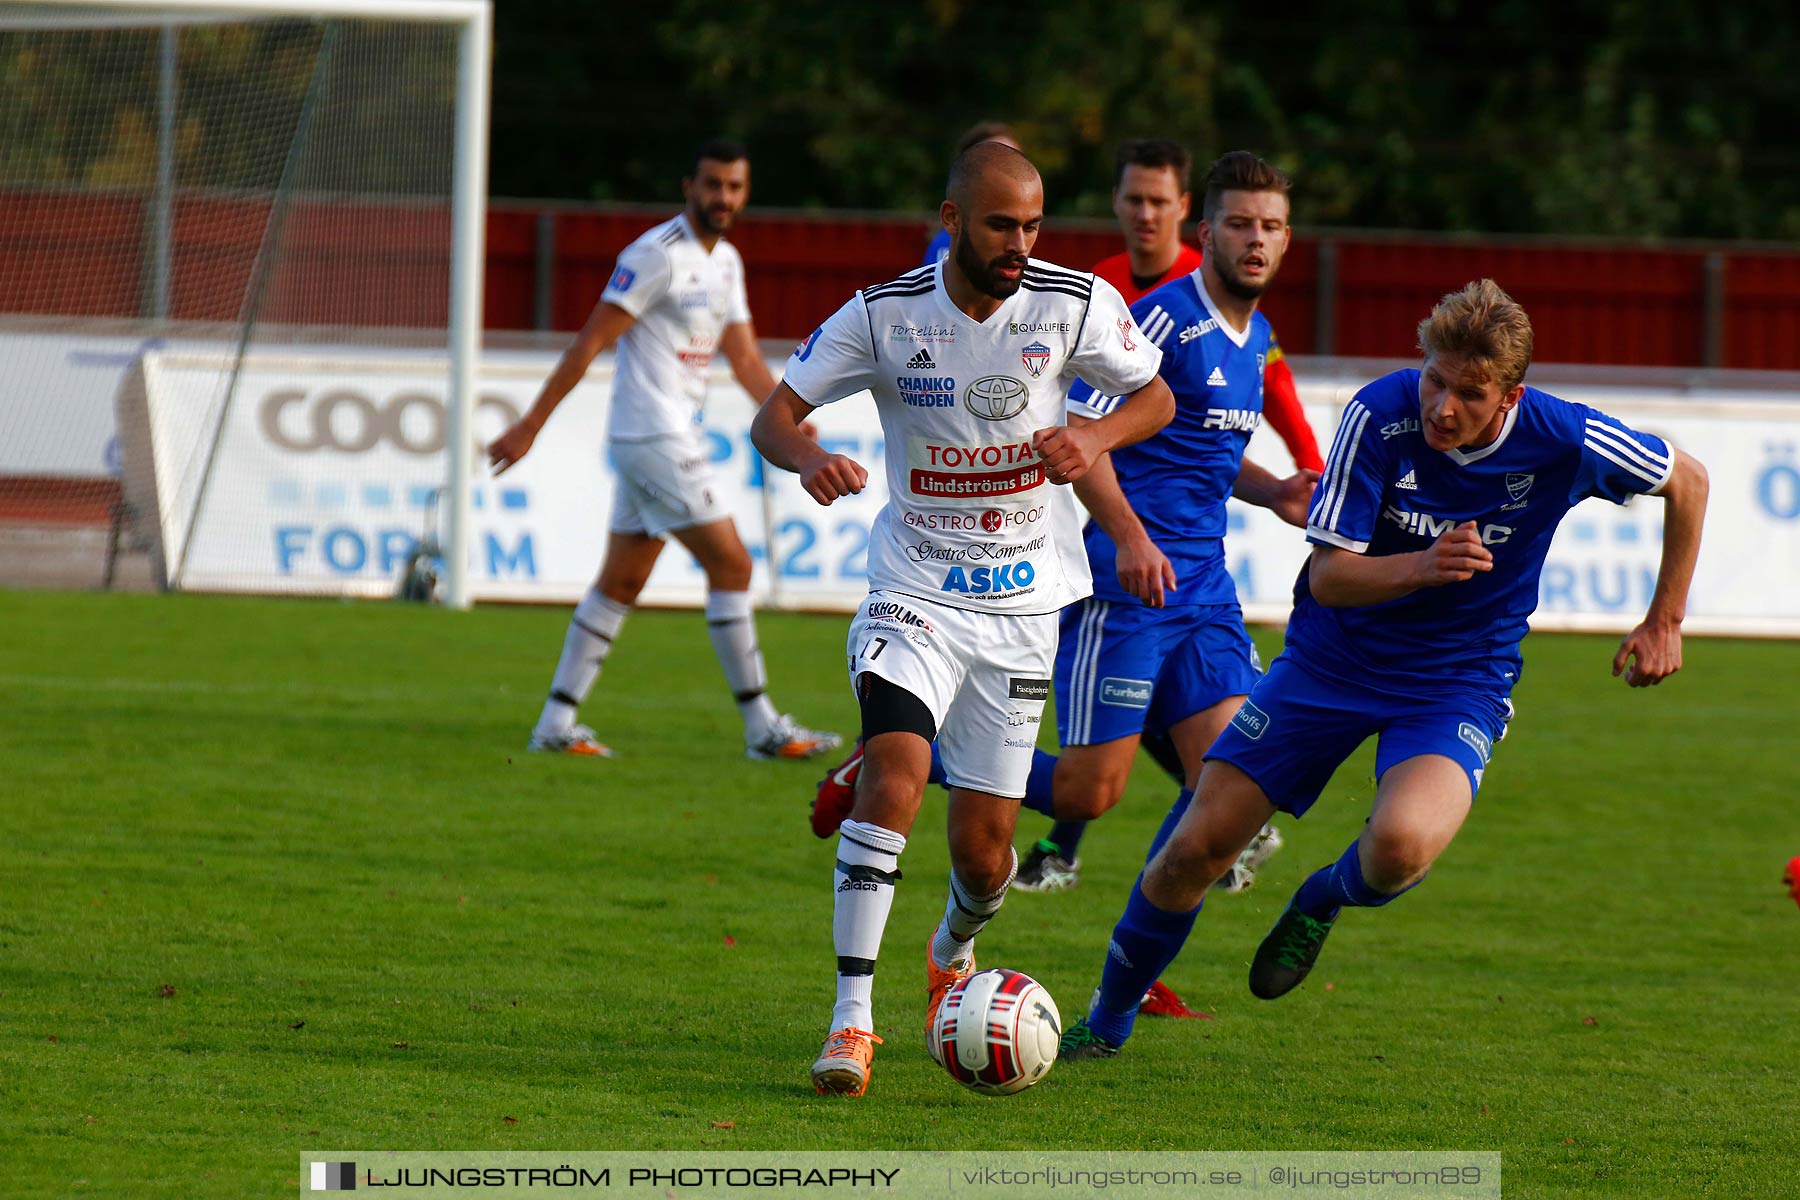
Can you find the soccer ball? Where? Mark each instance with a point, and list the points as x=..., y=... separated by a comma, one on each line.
x=996, y=1032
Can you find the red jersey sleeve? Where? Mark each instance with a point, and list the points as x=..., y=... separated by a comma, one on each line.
x=1281, y=405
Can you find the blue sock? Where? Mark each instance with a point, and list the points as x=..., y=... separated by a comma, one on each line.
x=1169, y=823
x=1067, y=837
x=1144, y=942
x=1038, y=796
x=1341, y=885
x=937, y=768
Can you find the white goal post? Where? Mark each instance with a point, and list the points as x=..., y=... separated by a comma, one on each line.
x=472, y=21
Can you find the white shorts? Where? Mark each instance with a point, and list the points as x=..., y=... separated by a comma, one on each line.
x=984, y=676
x=664, y=484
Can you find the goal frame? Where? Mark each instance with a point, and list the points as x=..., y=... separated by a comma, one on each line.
x=473, y=20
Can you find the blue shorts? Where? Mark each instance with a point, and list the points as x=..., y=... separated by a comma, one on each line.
x=1122, y=667
x=1296, y=728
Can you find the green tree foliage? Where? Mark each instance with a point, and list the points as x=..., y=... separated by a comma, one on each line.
x=863, y=113
x=1647, y=119
x=56, y=126
x=81, y=107
x=1643, y=118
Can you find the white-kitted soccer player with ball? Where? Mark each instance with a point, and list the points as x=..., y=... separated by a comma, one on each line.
x=975, y=553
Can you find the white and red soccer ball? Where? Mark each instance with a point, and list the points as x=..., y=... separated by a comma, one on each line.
x=996, y=1032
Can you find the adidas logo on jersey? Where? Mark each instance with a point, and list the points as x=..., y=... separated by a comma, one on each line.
x=1216, y=379
x=921, y=361
x=1408, y=481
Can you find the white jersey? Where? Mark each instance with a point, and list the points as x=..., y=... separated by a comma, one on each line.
x=972, y=519
x=683, y=298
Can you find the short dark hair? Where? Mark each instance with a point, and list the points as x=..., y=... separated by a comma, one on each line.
x=1153, y=152
x=979, y=159
x=984, y=131
x=1238, y=171
x=721, y=150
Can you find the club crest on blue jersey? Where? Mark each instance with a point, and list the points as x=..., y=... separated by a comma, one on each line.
x=1517, y=484
x=622, y=279
x=1036, y=357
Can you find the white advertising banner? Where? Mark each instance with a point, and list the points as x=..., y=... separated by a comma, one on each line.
x=1602, y=565
x=328, y=465
x=326, y=471
x=56, y=398
x=328, y=468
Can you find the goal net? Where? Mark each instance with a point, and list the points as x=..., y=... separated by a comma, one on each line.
x=212, y=222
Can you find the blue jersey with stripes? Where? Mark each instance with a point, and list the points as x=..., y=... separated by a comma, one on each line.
x=1385, y=491
x=1178, y=480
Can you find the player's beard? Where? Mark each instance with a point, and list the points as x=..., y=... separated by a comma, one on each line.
x=1238, y=286
x=710, y=222
x=985, y=275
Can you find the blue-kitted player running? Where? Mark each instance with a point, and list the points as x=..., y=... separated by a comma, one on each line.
x=1429, y=529
x=1160, y=646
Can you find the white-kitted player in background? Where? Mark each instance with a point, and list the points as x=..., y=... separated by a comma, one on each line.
x=675, y=297
x=971, y=559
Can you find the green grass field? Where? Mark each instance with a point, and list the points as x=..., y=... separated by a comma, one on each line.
x=277, y=876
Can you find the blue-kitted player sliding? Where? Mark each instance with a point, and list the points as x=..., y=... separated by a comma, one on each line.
x=1429, y=529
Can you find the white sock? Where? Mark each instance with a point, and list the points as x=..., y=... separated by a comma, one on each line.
x=591, y=632
x=733, y=631
x=953, y=945
x=868, y=864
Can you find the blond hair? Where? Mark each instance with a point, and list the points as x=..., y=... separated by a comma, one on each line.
x=1484, y=327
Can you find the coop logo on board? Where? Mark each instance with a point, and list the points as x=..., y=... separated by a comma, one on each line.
x=354, y=422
